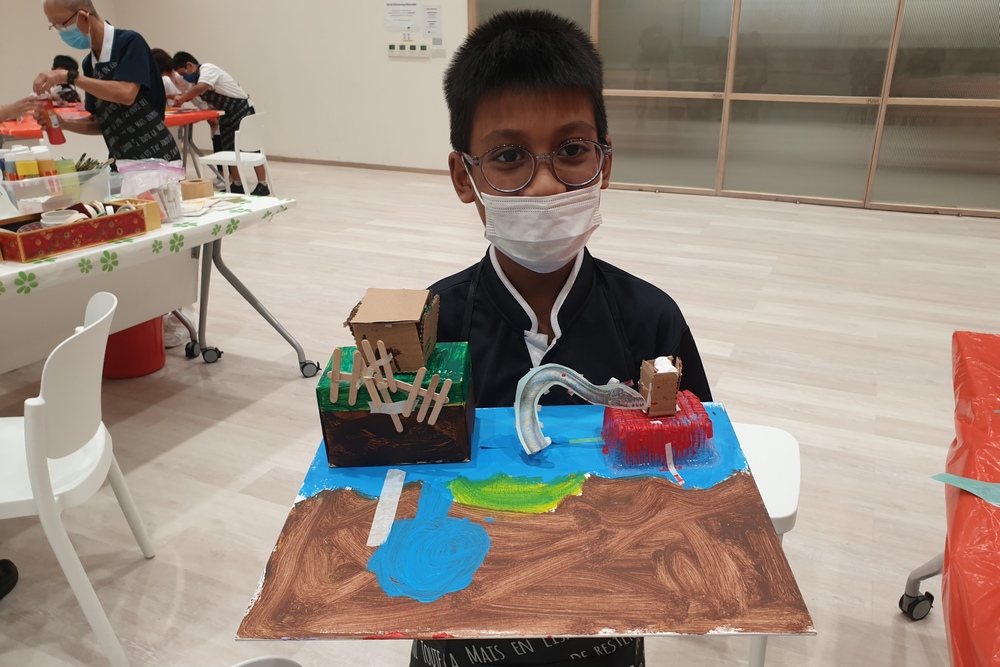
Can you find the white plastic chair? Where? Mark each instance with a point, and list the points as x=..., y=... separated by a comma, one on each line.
x=59, y=454
x=250, y=137
x=773, y=456
x=269, y=661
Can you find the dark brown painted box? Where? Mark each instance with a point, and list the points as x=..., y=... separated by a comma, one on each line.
x=355, y=437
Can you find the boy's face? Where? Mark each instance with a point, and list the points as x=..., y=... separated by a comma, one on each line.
x=189, y=68
x=539, y=122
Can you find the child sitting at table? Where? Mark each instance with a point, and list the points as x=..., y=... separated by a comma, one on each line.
x=64, y=91
x=532, y=152
x=220, y=91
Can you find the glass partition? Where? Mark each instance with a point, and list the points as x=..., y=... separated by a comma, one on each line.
x=577, y=11
x=658, y=141
x=665, y=45
x=814, y=47
x=935, y=156
x=809, y=150
x=949, y=49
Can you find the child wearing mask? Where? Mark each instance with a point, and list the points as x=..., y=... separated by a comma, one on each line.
x=532, y=152
x=220, y=91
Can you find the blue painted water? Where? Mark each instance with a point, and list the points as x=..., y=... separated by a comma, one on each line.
x=431, y=554
x=496, y=449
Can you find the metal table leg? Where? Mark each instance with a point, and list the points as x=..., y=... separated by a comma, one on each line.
x=209, y=354
x=189, y=148
x=306, y=367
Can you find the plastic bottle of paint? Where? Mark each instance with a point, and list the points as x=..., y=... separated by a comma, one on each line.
x=9, y=168
x=27, y=166
x=50, y=121
x=46, y=165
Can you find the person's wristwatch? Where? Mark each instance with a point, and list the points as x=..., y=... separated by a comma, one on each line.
x=71, y=75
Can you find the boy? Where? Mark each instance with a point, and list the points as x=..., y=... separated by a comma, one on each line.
x=529, y=129
x=220, y=91
x=65, y=92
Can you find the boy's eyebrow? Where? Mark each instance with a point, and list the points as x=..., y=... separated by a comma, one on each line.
x=510, y=135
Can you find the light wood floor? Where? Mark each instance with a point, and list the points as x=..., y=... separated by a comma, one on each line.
x=831, y=323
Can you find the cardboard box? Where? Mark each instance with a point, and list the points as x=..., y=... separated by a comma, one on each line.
x=405, y=320
x=354, y=436
x=660, y=389
x=50, y=241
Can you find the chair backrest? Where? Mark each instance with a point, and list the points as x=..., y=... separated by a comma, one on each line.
x=71, y=383
x=251, y=135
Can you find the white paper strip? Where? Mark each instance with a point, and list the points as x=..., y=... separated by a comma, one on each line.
x=385, y=513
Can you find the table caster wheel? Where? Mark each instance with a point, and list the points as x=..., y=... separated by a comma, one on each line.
x=192, y=350
x=309, y=368
x=211, y=354
x=916, y=608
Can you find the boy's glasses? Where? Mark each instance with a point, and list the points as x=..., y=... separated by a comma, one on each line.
x=510, y=169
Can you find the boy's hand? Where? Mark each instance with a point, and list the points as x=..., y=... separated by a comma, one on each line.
x=46, y=80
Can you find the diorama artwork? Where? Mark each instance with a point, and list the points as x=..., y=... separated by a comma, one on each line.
x=373, y=416
x=571, y=540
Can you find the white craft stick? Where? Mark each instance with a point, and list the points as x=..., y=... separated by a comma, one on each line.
x=425, y=402
x=440, y=399
x=335, y=377
x=352, y=397
x=668, y=450
x=385, y=511
x=383, y=388
x=414, y=391
x=387, y=366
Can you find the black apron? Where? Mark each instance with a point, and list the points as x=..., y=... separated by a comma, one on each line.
x=235, y=110
x=132, y=132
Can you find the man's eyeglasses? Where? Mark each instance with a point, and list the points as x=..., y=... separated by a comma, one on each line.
x=59, y=27
x=510, y=168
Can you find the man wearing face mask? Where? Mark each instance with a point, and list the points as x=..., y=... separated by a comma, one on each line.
x=125, y=95
x=529, y=129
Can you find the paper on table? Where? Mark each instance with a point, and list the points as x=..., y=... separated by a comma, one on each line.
x=988, y=491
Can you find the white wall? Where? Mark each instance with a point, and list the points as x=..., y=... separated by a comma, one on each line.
x=29, y=45
x=319, y=69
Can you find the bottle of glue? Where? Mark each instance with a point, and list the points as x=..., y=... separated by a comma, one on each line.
x=50, y=120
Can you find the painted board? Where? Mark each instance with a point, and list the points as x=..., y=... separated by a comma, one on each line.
x=561, y=543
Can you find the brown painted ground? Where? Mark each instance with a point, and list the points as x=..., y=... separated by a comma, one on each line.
x=628, y=555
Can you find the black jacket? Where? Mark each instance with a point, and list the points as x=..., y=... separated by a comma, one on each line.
x=609, y=322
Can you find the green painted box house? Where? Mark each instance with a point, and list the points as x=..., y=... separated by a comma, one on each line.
x=355, y=435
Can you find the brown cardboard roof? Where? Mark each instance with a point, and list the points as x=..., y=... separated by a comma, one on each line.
x=391, y=305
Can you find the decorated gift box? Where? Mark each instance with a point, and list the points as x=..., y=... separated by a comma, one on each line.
x=374, y=416
x=15, y=246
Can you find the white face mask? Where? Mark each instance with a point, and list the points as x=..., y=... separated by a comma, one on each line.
x=543, y=234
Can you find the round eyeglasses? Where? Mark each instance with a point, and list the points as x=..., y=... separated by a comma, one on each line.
x=510, y=168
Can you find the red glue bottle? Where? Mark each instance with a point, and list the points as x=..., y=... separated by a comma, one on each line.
x=50, y=120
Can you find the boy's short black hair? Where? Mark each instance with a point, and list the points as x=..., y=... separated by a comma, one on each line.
x=525, y=51
x=163, y=61
x=182, y=58
x=65, y=62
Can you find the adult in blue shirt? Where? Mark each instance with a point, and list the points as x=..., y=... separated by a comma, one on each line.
x=125, y=95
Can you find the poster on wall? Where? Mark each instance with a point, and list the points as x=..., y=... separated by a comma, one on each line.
x=402, y=17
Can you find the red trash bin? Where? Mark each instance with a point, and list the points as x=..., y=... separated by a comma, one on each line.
x=135, y=351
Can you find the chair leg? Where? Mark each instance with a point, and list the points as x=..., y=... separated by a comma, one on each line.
x=68, y=559
x=129, y=509
x=758, y=647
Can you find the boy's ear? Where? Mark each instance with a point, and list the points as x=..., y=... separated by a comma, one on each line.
x=464, y=187
x=606, y=169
